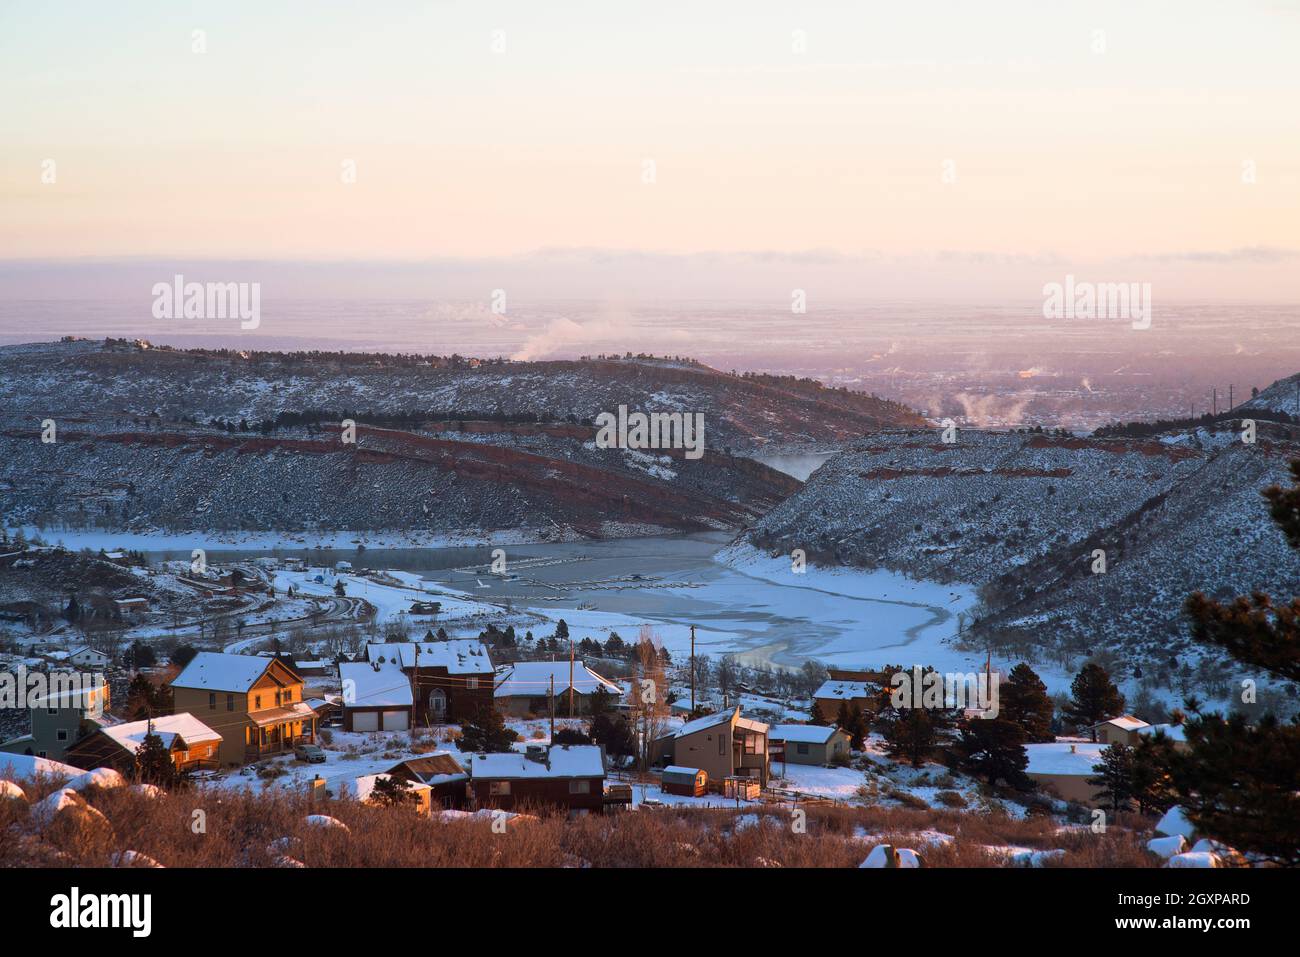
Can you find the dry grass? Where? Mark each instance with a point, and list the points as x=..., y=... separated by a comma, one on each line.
x=242, y=829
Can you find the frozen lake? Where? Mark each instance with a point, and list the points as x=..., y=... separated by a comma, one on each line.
x=748, y=604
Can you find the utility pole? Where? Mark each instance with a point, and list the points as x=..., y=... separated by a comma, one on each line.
x=692, y=669
x=551, y=697
x=1229, y=396
x=1215, y=406
x=570, y=677
x=415, y=683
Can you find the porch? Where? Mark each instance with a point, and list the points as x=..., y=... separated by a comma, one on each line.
x=278, y=731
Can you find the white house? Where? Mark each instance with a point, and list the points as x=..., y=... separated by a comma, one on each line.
x=87, y=657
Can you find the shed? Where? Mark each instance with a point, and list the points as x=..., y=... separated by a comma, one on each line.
x=690, y=782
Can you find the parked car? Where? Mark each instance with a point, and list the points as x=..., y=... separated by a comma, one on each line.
x=310, y=753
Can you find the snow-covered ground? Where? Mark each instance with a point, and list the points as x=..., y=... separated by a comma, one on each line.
x=293, y=542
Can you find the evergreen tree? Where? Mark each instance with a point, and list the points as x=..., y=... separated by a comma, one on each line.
x=570, y=736
x=1093, y=698
x=818, y=716
x=912, y=733
x=854, y=724
x=562, y=630
x=994, y=749
x=144, y=699
x=1115, y=776
x=1237, y=781
x=391, y=791
x=153, y=763
x=339, y=589
x=183, y=655
x=1023, y=700
x=487, y=732
x=1152, y=782
x=614, y=732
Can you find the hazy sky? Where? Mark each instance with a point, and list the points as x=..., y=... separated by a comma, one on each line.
x=912, y=149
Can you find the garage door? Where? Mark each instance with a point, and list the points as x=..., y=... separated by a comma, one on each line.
x=365, y=721
x=397, y=720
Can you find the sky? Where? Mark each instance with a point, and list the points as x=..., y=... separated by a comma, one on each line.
x=951, y=150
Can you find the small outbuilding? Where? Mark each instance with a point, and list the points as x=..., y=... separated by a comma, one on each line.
x=688, y=782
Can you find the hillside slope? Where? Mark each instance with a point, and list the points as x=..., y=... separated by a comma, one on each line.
x=554, y=484
x=1021, y=514
x=117, y=379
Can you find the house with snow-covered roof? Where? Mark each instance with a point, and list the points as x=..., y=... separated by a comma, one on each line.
x=524, y=688
x=451, y=681
x=723, y=745
x=191, y=744
x=88, y=657
x=377, y=696
x=1062, y=768
x=807, y=744
x=1121, y=729
x=73, y=705
x=559, y=776
x=256, y=704
x=446, y=779
x=848, y=688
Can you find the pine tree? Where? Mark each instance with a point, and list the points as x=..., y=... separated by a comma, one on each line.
x=1152, y=782
x=1237, y=781
x=1023, y=700
x=614, y=733
x=994, y=749
x=912, y=733
x=856, y=728
x=1093, y=698
x=1114, y=779
x=818, y=716
x=392, y=792
x=153, y=763
x=487, y=732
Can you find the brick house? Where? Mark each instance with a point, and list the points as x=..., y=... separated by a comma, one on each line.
x=451, y=681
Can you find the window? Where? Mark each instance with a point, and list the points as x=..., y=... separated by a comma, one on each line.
x=499, y=788
x=751, y=744
x=212, y=701
x=257, y=702
x=802, y=747
x=471, y=684
x=51, y=710
x=230, y=702
x=722, y=745
x=288, y=695
x=579, y=787
x=63, y=734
